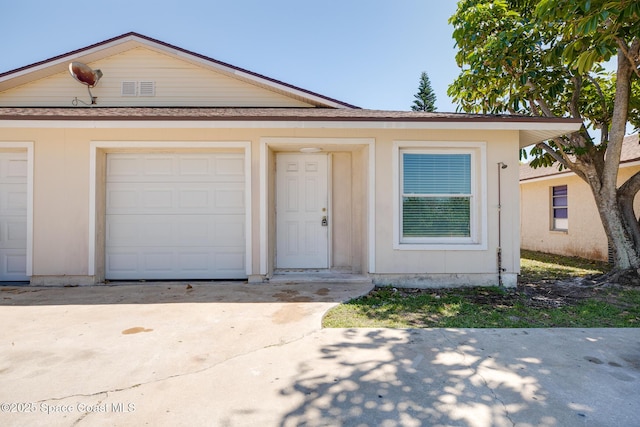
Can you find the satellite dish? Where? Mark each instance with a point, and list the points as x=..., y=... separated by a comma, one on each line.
x=85, y=75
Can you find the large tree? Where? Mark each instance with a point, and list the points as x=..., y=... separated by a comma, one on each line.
x=425, y=99
x=549, y=58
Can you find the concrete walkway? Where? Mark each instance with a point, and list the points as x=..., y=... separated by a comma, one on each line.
x=245, y=355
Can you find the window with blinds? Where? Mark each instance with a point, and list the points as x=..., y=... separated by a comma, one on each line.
x=559, y=208
x=437, y=196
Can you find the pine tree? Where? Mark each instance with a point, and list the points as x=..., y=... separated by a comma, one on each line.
x=425, y=98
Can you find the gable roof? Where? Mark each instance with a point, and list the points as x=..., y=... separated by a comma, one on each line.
x=328, y=112
x=630, y=153
x=57, y=64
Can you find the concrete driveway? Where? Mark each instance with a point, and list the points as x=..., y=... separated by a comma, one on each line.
x=243, y=355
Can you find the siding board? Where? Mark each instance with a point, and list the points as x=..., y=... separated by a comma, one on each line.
x=178, y=83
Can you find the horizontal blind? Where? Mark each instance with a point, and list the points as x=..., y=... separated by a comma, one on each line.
x=436, y=173
x=436, y=216
x=560, y=202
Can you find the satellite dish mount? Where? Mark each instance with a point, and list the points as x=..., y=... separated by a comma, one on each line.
x=87, y=76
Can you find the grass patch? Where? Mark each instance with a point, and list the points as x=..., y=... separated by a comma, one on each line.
x=538, y=266
x=538, y=302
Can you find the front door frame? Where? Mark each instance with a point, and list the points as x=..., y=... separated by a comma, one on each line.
x=269, y=146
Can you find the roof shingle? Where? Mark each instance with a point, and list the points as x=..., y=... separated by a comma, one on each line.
x=275, y=114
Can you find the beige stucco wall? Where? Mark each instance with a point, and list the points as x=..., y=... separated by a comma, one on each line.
x=61, y=197
x=341, y=211
x=501, y=147
x=585, y=236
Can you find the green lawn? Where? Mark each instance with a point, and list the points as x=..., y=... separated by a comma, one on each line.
x=537, y=303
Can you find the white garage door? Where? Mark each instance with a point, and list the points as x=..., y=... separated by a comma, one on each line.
x=13, y=216
x=175, y=216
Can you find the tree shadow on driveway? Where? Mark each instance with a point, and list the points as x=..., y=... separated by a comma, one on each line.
x=465, y=377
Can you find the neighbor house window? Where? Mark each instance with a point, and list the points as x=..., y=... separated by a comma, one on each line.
x=559, y=208
x=437, y=196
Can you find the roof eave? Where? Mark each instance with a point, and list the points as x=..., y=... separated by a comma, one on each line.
x=530, y=132
x=544, y=132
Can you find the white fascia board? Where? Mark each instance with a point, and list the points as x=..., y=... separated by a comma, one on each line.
x=548, y=177
x=568, y=173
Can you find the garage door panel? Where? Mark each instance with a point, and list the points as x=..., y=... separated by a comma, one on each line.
x=176, y=198
x=208, y=263
x=13, y=168
x=230, y=262
x=195, y=262
x=13, y=232
x=229, y=167
x=155, y=261
x=13, y=264
x=122, y=264
x=176, y=230
x=13, y=199
x=219, y=167
x=175, y=216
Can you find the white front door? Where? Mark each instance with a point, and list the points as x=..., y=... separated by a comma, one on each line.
x=13, y=216
x=301, y=205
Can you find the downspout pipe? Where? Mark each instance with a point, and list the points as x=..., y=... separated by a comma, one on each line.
x=500, y=269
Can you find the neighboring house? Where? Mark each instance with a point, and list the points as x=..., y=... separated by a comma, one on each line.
x=558, y=211
x=190, y=168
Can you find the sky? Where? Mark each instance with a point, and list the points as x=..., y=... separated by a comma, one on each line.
x=368, y=53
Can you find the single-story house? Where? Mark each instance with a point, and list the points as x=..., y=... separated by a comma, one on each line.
x=167, y=164
x=558, y=211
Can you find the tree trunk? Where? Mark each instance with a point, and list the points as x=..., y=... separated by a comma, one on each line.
x=619, y=234
x=626, y=193
x=621, y=230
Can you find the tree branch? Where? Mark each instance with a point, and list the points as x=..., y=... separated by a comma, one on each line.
x=574, y=105
x=559, y=157
x=604, y=125
x=546, y=111
x=618, y=122
x=631, y=52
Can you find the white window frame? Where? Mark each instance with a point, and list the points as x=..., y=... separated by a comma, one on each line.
x=478, y=225
x=556, y=225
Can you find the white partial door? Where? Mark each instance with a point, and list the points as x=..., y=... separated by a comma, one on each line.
x=13, y=216
x=301, y=206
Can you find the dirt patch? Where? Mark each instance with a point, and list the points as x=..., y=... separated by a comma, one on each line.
x=558, y=294
x=291, y=296
x=551, y=294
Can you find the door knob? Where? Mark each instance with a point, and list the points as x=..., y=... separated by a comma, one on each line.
x=324, y=221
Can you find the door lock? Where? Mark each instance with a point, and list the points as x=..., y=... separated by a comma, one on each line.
x=324, y=221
